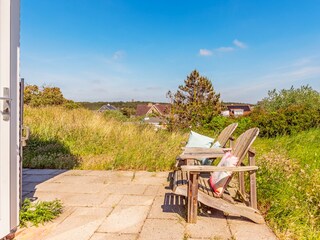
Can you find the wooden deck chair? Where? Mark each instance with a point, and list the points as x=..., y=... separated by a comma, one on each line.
x=226, y=135
x=192, y=182
x=223, y=138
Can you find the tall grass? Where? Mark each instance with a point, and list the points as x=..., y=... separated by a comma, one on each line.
x=83, y=139
x=289, y=184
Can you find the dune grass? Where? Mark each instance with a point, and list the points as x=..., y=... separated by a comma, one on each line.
x=288, y=178
x=83, y=139
x=289, y=184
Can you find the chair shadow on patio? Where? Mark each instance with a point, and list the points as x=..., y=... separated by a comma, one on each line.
x=174, y=204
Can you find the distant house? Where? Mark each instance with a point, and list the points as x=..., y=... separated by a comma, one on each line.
x=154, y=114
x=150, y=109
x=107, y=107
x=237, y=110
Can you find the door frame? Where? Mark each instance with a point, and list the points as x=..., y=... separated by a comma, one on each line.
x=9, y=135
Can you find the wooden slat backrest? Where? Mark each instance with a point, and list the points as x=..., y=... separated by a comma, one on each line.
x=226, y=134
x=241, y=148
x=243, y=143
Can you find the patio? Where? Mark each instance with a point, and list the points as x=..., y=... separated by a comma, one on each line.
x=124, y=205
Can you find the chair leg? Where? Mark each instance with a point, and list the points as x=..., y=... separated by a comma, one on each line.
x=192, y=197
x=253, y=184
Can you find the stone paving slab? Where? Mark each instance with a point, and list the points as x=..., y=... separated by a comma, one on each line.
x=88, y=179
x=125, y=219
x=124, y=205
x=149, y=178
x=162, y=229
x=70, y=187
x=72, y=199
x=80, y=225
x=112, y=200
x=114, y=236
x=211, y=226
x=136, y=200
x=123, y=189
x=151, y=190
x=243, y=229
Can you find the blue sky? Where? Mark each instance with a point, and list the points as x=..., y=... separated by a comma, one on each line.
x=110, y=50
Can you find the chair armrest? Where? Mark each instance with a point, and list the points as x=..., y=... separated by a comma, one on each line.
x=196, y=153
x=198, y=150
x=191, y=168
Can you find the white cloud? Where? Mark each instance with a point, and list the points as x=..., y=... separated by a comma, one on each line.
x=225, y=49
x=119, y=54
x=205, y=52
x=239, y=44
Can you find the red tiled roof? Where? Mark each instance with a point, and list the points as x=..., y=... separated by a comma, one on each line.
x=164, y=109
x=245, y=108
x=142, y=109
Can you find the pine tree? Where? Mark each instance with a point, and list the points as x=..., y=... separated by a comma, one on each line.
x=195, y=103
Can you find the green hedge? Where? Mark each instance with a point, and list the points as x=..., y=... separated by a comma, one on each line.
x=288, y=121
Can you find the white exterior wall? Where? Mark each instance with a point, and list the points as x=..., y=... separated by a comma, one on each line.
x=9, y=129
x=238, y=112
x=225, y=113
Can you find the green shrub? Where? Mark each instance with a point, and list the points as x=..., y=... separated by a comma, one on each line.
x=69, y=104
x=116, y=115
x=287, y=121
x=285, y=98
x=218, y=123
x=287, y=112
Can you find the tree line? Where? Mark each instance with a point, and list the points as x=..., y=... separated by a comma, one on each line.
x=196, y=105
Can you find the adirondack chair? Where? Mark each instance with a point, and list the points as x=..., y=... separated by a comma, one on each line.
x=226, y=135
x=192, y=182
x=223, y=138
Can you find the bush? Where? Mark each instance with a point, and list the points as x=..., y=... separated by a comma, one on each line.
x=287, y=112
x=285, y=98
x=116, y=115
x=69, y=104
x=46, y=96
x=218, y=123
x=292, y=120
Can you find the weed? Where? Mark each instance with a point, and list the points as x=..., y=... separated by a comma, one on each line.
x=39, y=212
x=186, y=236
